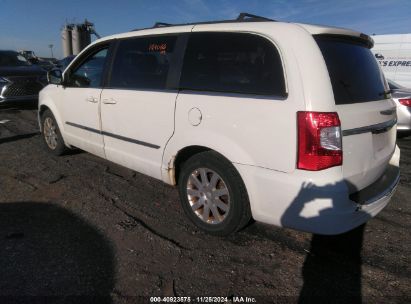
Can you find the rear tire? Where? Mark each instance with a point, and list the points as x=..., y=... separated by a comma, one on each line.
x=213, y=195
x=52, y=139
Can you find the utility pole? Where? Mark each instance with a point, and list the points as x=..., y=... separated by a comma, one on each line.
x=51, y=49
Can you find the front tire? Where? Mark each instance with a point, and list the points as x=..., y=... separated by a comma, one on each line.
x=213, y=194
x=53, y=141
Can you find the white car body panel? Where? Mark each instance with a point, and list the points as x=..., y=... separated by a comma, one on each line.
x=144, y=115
x=362, y=166
x=316, y=202
x=217, y=115
x=78, y=109
x=258, y=134
x=266, y=142
x=50, y=97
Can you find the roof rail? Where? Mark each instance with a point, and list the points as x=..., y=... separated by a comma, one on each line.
x=242, y=17
x=161, y=24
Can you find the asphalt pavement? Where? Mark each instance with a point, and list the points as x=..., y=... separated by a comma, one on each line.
x=80, y=228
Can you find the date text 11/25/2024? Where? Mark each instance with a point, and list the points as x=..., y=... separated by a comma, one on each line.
x=233, y=299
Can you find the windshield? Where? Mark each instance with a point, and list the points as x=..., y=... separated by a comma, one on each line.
x=354, y=72
x=12, y=59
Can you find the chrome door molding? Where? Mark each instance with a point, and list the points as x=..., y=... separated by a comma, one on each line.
x=375, y=129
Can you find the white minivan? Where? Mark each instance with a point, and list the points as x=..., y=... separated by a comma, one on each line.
x=288, y=124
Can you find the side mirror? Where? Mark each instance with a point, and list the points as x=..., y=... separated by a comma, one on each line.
x=55, y=76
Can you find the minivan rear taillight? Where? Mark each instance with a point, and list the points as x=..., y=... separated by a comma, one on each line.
x=319, y=140
x=405, y=101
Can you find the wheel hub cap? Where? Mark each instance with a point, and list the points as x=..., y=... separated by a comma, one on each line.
x=208, y=195
x=50, y=133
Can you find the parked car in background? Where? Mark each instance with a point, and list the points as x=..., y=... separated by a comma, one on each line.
x=46, y=64
x=291, y=124
x=402, y=97
x=29, y=55
x=19, y=79
x=63, y=63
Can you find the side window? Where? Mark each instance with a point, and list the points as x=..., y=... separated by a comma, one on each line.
x=89, y=73
x=142, y=63
x=232, y=62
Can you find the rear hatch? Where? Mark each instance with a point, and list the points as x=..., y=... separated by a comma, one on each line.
x=365, y=108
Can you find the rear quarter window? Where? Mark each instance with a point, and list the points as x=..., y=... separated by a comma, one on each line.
x=232, y=62
x=354, y=73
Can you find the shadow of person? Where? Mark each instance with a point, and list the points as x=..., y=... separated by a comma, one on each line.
x=47, y=251
x=332, y=268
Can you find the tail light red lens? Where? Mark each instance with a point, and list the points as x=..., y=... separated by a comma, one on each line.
x=319, y=140
x=405, y=101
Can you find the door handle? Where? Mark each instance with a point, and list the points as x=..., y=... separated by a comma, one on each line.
x=91, y=99
x=109, y=101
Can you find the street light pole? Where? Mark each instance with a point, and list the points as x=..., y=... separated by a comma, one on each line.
x=51, y=49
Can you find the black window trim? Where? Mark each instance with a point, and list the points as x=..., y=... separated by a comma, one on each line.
x=93, y=50
x=176, y=66
x=233, y=94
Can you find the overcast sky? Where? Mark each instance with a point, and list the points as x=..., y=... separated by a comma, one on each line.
x=33, y=25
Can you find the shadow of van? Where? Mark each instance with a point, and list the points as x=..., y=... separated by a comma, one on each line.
x=332, y=268
x=47, y=251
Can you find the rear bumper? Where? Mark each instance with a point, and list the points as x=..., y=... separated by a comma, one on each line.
x=312, y=201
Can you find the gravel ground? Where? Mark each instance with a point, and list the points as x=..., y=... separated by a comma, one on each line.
x=80, y=228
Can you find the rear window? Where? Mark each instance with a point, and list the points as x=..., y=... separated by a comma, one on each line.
x=354, y=72
x=234, y=63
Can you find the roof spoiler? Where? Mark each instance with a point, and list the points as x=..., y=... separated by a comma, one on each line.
x=368, y=40
x=361, y=38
